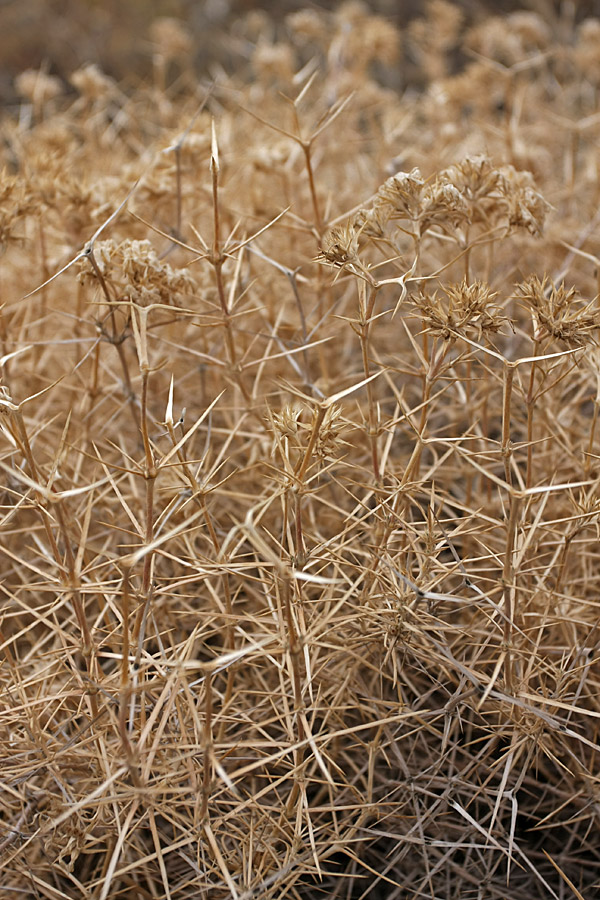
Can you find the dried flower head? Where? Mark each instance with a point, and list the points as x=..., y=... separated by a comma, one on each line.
x=475, y=177
x=401, y=194
x=339, y=245
x=286, y=424
x=525, y=207
x=329, y=432
x=432, y=36
x=372, y=222
x=171, y=37
x=38, y=87
x=273, y=61
x=559, y=312
x=476, y=89
x=137, y=274
x=442, y=204
x=494, y=195
x=307, y=25
x=92, y=83
x=587, y=509
x=15, y=204
x=510, y=39
x=292, y=433
x=463, y=308
x=363, y=38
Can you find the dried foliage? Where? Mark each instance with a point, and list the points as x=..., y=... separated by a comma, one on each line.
x=299, y=440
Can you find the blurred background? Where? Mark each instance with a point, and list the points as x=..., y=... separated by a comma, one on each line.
x=60, y=35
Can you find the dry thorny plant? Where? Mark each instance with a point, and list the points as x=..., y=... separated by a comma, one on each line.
x=300, y=391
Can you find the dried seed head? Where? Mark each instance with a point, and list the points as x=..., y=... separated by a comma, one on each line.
x=432, y=36
x=171, y=37
x=286, y=427
x=510, y=39
x=329, y=432
x=92, y=83
x=274, y=61
x=442, y=204
x=287, y=422
x=135, y=270
x=339, y=245
x=307, y=25
x=464, y=309
x=382, y=40
x=363, y=38
x=494, y=195
x=38, y=87
x=587, y=509
x=472, y=191
x=402, y=195
x=558, y=311
x=372, y=222
x=476, y=88
x=526, y=208
x=104, y=253
x=14, y=205
x=475, y=177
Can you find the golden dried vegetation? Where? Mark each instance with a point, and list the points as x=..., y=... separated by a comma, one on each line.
x=299, y=509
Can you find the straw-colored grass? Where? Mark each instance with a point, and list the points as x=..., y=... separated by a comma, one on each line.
x=300, y=515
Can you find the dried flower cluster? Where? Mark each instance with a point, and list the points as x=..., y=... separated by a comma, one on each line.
x=135, y=272
x=559, y=312
x=299, y=439
x=464, y=309
x=472, y=191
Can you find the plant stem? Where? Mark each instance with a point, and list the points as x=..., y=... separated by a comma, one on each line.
x=509, y=586
x=506, y=451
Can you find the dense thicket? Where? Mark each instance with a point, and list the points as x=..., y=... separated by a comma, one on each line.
x=299, y=511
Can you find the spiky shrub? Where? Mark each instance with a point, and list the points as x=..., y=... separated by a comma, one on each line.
x=299, y=512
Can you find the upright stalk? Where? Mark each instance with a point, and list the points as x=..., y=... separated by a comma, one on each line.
x=509, y=374
x=530, y=401
x=509, y=587
x=295, y=652
x=366, y=307
x=216, y=259
x=149, y=472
